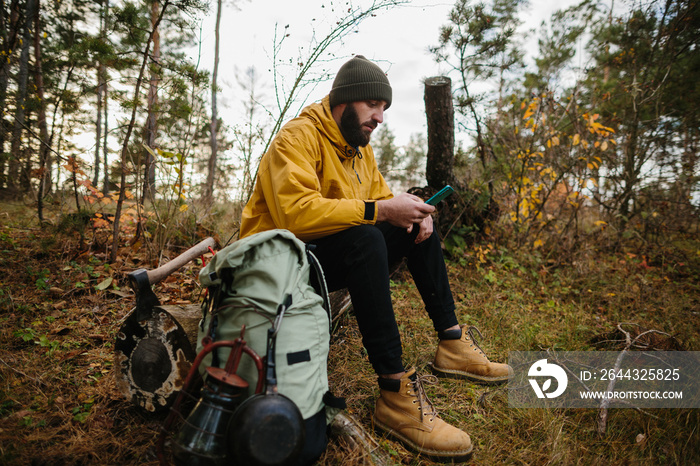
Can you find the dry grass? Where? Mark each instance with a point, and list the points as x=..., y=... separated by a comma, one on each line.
x=59, y=404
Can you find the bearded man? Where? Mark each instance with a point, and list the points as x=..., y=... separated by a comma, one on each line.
x=320, y=180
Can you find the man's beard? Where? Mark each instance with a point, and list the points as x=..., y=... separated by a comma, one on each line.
x=352, y=129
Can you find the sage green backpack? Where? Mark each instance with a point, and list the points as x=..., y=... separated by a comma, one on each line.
x=246, y=282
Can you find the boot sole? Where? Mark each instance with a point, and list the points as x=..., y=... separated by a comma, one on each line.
x=459, y=456
x=454, y=374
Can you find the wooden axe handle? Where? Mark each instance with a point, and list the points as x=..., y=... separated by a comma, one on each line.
x=159, y=274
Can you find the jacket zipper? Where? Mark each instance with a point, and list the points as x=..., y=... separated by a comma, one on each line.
x=353, y=169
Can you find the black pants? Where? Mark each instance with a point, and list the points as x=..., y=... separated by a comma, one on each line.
x=358, y=258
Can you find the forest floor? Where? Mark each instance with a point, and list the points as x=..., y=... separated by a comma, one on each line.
x=61, y=305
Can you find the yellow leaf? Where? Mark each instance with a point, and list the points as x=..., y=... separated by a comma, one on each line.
x=549, y=143
x=538, y=243
x=600, y=223
x=184, y=207
x=555, y=141
x=577, y=139
x=604, y=146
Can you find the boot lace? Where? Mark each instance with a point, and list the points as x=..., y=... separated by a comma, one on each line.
x=470, y=332
x=424, y=404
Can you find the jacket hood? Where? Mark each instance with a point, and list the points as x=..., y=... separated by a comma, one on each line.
x=320, y=114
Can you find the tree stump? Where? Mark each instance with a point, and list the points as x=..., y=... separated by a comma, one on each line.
x=152, y=358
x=441, y=139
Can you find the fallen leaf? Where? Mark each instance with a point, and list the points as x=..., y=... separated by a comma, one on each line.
x=104, y=284
x=60, y=305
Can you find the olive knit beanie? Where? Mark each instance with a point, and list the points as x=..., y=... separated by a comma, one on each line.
x=360, y=79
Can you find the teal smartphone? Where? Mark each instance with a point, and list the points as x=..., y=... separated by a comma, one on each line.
x=440, y=195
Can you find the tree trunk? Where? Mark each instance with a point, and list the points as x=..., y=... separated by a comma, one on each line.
x=44, y=144
x=102, y=78
x=98, y=129
x=441, y=139
x=23, y=79
x=211, y=167
x=9, y=38
x=105, y=136
x=149, y=179
x=4, y=72
x=127, y=137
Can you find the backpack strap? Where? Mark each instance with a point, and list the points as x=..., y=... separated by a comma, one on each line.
x=332, y=401
x=211, y=304
x=319, y=283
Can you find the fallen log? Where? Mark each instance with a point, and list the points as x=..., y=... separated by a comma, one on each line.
x=346, y=428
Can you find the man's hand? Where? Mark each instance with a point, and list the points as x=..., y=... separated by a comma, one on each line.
x=405, y=210
x=426, y=229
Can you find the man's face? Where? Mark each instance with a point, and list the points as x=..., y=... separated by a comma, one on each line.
x=359, y=119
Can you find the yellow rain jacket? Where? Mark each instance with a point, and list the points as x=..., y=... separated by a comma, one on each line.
x=312, y=183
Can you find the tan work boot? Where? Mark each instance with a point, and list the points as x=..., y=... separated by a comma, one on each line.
x=462, y=358
x=404, y=412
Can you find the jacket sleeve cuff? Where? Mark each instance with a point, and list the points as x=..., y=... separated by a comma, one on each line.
x=370, y=210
